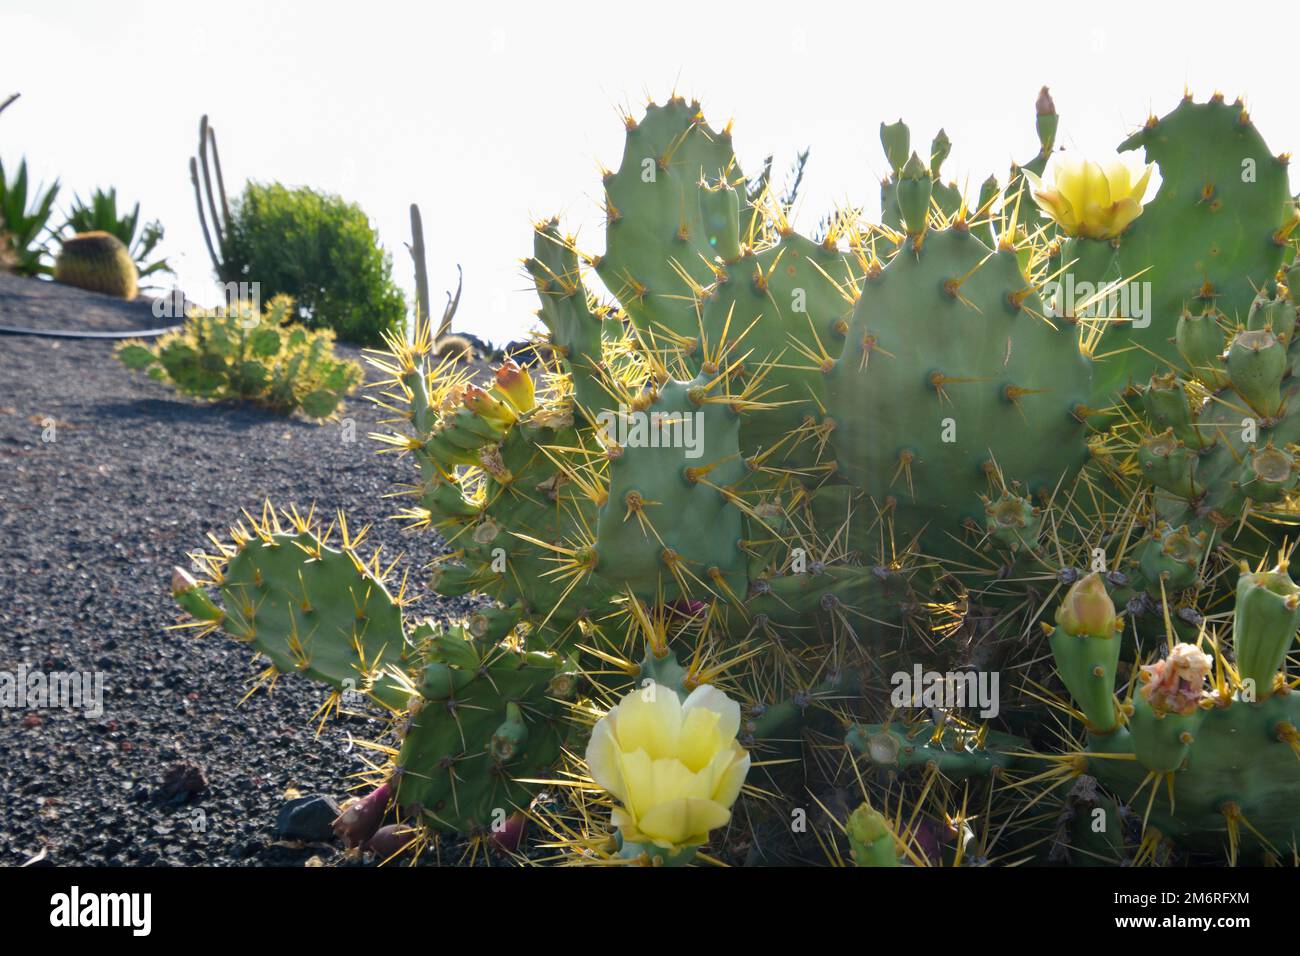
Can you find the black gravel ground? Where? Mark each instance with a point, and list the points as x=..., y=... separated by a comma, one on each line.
x=107, y=479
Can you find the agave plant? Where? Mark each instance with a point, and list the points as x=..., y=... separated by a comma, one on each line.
x=24, y=231
x=101, y=215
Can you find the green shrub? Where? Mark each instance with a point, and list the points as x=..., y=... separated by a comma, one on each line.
x=237, y=354
x=322, y=251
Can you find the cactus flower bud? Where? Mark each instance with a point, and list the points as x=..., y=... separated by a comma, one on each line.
x=361, y=818
x=871, y=841
x=1044, y=105
x=509, y=739
x=939, y=150
x=1086, y=649
x=914, y=189
x=989, y=193
x=193, y=600
x=1201, y=341
x=511, y=833
x=1045, y=121
x=1264, y=626
x=1087, y=610
x=516, y=385
x=720, y=210
x=389, y=841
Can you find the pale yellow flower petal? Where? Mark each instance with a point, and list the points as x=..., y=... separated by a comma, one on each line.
x=1118, y=179
x=701, y=737
x=639, y=781
x=1139, y=188
x=727, y=789
x=710, y=698
x=673, y=780
x=683, y=822
x=1125, y=211
x=649, y=719
x=603, y=759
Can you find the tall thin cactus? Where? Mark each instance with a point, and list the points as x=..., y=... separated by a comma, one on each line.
x=218, y=209
x=416, y=248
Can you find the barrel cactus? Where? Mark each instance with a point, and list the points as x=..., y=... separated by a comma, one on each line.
x=97, y=262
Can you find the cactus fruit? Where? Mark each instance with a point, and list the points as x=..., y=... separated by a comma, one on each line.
x=1214, y=445
x=97, y=262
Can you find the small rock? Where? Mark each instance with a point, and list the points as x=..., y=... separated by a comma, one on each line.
x=181, y=783
x=307, y=819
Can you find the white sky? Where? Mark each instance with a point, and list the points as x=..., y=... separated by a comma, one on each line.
x=492, y=114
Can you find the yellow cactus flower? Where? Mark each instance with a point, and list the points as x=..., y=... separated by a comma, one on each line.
x=674, y=766
x=1088, y=199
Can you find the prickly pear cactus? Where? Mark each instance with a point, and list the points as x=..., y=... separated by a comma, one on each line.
x=247, y=355
x=1214, y=234
x=780, y=472
x=1211, y=739
x=966, y=383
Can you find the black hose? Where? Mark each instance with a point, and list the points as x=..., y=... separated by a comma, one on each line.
x=66, y=334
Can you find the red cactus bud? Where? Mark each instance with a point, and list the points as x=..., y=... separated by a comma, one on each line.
x=389, y=841
x=359, y=821
x=511, y=835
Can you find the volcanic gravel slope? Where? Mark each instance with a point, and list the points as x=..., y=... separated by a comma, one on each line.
x=91, y=523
